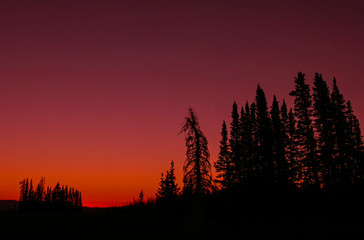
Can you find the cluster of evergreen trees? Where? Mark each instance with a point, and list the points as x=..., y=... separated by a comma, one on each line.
x=317, y=144
x=42, y=198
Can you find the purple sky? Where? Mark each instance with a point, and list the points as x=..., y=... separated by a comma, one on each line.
x=93, y=93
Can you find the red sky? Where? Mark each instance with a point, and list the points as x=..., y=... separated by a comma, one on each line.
x=93, y=93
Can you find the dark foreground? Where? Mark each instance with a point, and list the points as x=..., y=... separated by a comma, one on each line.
x=299, y=216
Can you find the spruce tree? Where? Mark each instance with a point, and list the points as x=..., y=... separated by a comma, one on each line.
x=288, y=126
x=168, y=188
x=304, y=134
x=197, y=169
x=264, y=139
x=39, y=192
x=141, y=198
x=247, y=145
x=355, y=145
x=279, y=138
x=31, y=191
x=223, y=164
x=235, y=147
x=341, y=137
x=322, y=111
x=254, y=163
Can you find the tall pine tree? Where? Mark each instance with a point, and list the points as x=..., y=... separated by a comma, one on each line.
x=322, y=111
x=341, y=134
x=236, y=148
x=223, y=164
x=247, y=145
x=197, y=169
x=264, y=139
x=304, y=135
x=279, y=140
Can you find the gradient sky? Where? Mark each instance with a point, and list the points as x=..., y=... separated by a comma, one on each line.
x=93, y=93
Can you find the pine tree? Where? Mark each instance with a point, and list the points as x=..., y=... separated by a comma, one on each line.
x=48, y=196
x=288, y=126
x=23, y=198
x=168, y=188
x=223, y=164
x=355, y=145
x=197, y=169
x=55, y=193
x=254, y=163
x=39, y=192
x=247, y=145
x=173, y=190
x=359, y=151
x=264, y=139
x=31, y=191
x=236, y=148
x=279, y=137
x=141, y=198
x=322, y=111
x=80, y=200
x=304, y=135
x=341, y=135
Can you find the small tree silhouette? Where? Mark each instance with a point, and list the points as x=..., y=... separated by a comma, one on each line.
x=141, y=198
x=168, y=189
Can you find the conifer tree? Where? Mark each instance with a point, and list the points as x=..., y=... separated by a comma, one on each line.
x=279, y=137
x=168, y=188
x=223, y=164
x=197, y=169
x=288, y=126
x=31, y=191
x=39, y=192
x=23, y=190
x=247, y=145
x=341, y=134
x=236, y=148
x=48, y=196
x=141, y=198
x=304, y=134
x=322, y=111
x=55, y=193
x=355, y=145
x=254, y=163
x=264, y=139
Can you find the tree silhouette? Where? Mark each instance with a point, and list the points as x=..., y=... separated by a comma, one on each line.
x=341, y=137
x=39, y=192
x=304, y=134
x=223, y=164
x=355, y=145
x=168, y=190
x=58, y=199
x=141, y=198
x=290, y=146
x=236, y=148
x=279, y=140
x=322, y=111
x=247, y=144
x=197, y=169
x=264, y=139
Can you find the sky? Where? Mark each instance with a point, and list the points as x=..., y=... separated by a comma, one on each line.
x=94, y=93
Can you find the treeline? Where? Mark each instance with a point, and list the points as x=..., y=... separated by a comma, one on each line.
x=315, y=145
x=42, y=198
